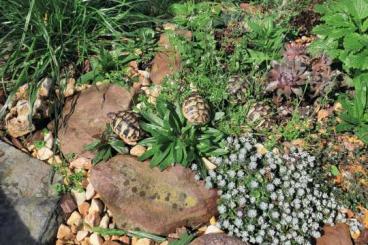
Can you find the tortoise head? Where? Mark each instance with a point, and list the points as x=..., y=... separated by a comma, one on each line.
x=111, y=115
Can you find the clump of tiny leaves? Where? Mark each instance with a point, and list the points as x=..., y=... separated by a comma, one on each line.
x=270, y=198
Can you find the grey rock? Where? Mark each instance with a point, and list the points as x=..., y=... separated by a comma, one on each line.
x=217, y=239
x=29, y=208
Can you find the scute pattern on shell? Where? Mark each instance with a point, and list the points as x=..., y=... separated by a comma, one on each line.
x=237, y=88
x=196, y=110
x=126, y=125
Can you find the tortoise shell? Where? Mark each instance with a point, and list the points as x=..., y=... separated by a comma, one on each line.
x=196, y=110
x=237, y=87
x=126, y=125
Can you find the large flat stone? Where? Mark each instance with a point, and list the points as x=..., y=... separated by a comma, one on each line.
x=85, y=116
x=29, y=210
x=150, y=200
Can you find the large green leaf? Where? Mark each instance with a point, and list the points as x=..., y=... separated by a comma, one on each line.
x=178, y=152
x=355, y=42
x=217, y=152
x=119, y=146
x=180, y=114
x=148, y=141
x=344, y=127
x=338, y=20
x=151, y=128
x=365, y=26
x=357, y=8
x=160, y=155
x=92, y=146
x=161, y=107
x=362, y=133
x=149, y=116
x=169, y=160
x=149, y=153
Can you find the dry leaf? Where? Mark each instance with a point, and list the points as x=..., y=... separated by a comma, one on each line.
x=355, y=234
x=322, y=114
x=300, y=143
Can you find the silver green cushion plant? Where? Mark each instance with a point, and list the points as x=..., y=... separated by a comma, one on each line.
x=270, y=198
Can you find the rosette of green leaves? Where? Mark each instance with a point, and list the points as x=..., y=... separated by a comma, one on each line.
x=343, y=35
x=175, y=141
x=355, y=114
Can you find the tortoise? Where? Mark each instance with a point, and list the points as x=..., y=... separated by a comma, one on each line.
x=196, y=110
x=237, y=88
x=126, y=125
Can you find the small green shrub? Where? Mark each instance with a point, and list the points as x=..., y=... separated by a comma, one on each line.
x=175, y=141
x=71, y=180
x=261, y=43
x=295, y=128
x=355, y=114
x=343, y=35
x=131, y=233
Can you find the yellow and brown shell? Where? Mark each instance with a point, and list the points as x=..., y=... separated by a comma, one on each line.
x=126, y=125
x=196, y=110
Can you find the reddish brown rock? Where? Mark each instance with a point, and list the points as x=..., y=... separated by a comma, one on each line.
x=167, y=61
x=85, y=116
x=68, y=204
x=363, y=238
x=335, y=235
x=151, y=200
x=217, y=239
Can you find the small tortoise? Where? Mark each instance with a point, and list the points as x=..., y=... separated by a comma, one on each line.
x=126, y=125
x=237, y=88
x=196, y=110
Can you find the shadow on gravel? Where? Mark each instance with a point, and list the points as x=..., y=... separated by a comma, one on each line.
x=12, y=229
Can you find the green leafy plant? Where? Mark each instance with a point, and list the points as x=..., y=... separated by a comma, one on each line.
x=196, y=16
x=105, y=147
x=343, y=35
x=119, y=232
x=262, y=42
x=173, y=140
x=39, y=144
x=355, y=114
x=71, y=180
x=109, y=64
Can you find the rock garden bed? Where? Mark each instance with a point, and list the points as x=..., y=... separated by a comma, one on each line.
x=181, y=122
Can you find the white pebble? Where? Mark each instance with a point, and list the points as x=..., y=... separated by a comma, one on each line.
x=90, y=191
